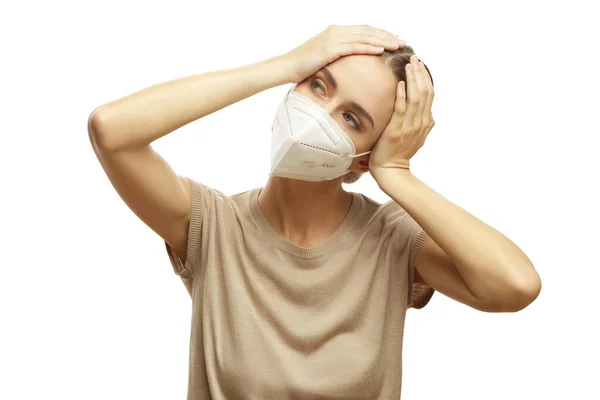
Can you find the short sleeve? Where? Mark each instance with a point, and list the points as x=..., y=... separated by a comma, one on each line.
x=200, y=196
x=419, y=293
x=406, y=241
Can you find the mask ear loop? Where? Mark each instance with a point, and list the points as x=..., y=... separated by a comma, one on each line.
x=355, y=156
x=359, y=155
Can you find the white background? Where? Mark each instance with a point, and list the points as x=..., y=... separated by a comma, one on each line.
x=90, y=307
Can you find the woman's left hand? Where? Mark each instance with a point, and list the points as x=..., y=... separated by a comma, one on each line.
x=410, y=124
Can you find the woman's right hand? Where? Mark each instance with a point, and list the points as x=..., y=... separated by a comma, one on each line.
x=333, y=43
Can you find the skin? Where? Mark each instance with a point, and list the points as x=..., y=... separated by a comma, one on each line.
x=308, y=213
x=463, y=258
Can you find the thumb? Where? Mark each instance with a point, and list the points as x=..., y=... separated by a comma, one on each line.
x=400, y=104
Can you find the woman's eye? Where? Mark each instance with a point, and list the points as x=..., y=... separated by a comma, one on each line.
x=316, y=85
x=352, y=119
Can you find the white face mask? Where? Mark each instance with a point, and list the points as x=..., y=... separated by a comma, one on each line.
x=307, y=144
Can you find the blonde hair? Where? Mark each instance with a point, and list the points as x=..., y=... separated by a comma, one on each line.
x=351, y=177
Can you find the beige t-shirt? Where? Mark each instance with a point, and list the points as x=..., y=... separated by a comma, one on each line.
x=271, y=320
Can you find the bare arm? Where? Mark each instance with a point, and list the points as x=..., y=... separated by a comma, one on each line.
x=463, y=258
x=121, y=133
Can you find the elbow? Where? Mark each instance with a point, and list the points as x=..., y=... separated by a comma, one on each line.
x=516, y=297
x=521, y=295
x=94, y=128
x=528, y=291
x=98, y=134
x=95, y=121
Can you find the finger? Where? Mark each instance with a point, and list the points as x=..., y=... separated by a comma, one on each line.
x=369, y=30
x=373, y=40
x=358, y=48
x=429, y=101
x=422, y=90
x=412, y=96
x=387, y=34
x=399, y=106
x=395, y=123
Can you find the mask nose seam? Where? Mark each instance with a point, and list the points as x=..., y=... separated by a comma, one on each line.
x=340, y=133
x=318, y=148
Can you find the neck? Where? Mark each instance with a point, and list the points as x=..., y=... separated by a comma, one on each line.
x=304, y=212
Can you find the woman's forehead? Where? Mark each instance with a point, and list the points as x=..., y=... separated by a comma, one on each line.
x=368, y=81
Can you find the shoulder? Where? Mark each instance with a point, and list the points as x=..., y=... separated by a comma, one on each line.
x=388, y=213
x=208, y=194
x=388, y=222
x=217, y=209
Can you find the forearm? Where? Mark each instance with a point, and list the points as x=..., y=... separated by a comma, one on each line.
x=144, y=116
x=491, y=265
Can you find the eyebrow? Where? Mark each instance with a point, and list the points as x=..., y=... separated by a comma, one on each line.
x=357, y=107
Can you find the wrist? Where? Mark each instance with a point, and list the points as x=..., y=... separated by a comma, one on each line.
x=278, y=68
x=389, y=179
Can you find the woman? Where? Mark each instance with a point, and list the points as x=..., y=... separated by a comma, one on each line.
x=299, y=288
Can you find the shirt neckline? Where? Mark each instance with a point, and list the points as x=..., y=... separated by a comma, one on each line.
x=342, y=233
